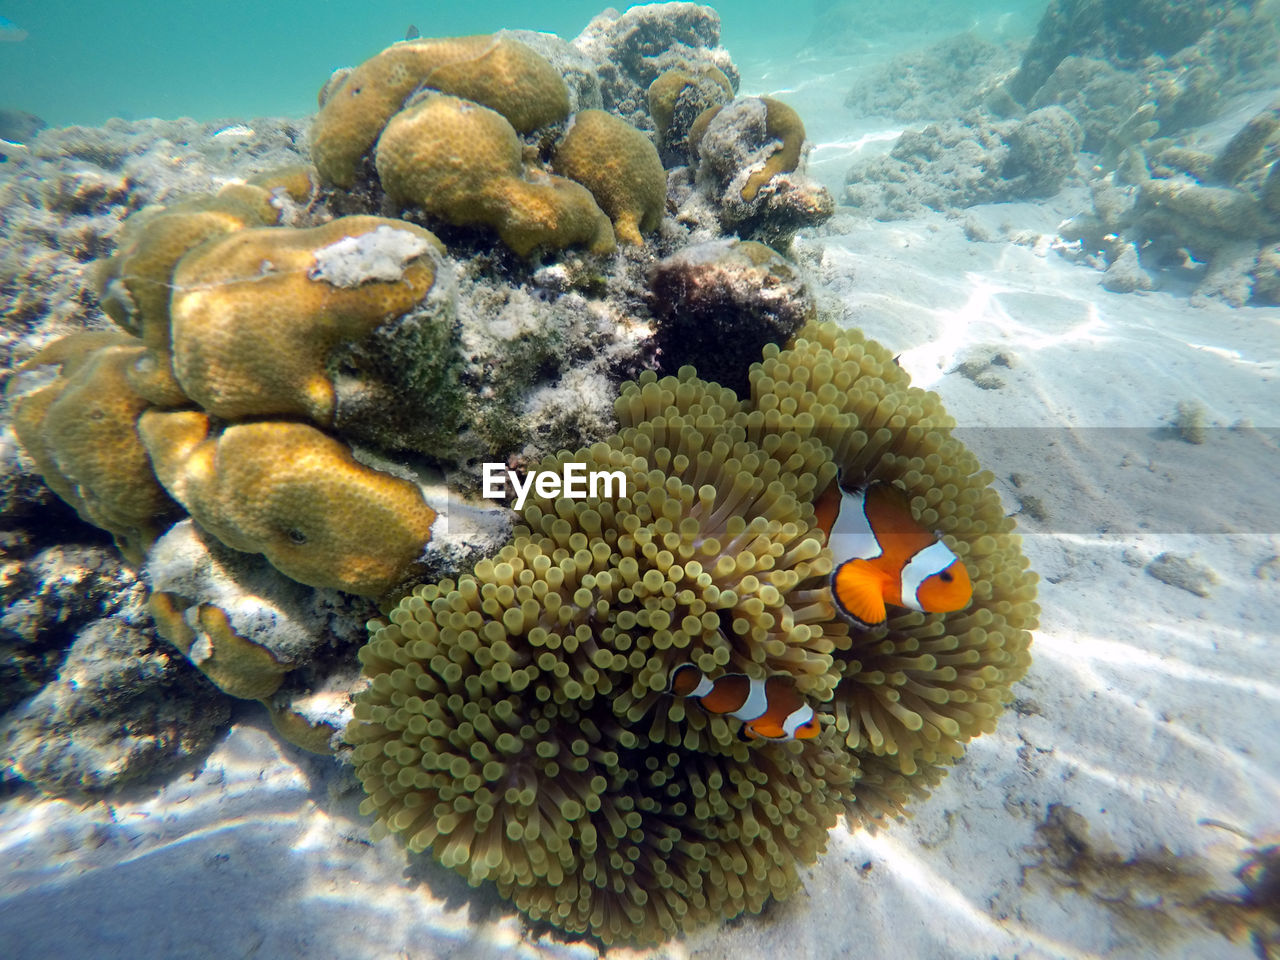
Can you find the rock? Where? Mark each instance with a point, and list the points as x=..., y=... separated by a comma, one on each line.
x=1125, y=274
x=123, y=707
x=975, y=159
x=1182, y=572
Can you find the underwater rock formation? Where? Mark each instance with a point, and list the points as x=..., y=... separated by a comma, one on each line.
x=124, y=706
x=972, y=160
x=630, y=50
x=1183, y=56
x=677, y=98
x=1220, y=209
x=942, y=81
x=48, y=595
x=1122, y=32
x=743, y=175
x=517, y=723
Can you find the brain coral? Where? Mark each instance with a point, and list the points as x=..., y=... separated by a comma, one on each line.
x=463, y=162
x=79, y=429
x=135, y=283
x=620, y=167
x=517, y=724
x=500, y=73
x=258, y=312
x=293, y=494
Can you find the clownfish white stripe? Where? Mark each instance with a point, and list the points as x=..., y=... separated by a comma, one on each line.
x=756, y=703
x=851, y=536
x=704, y=687
x=932, y=560
x=796, y=719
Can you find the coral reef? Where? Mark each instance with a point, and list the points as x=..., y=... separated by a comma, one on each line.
x=742, y=176
x=74, y=188
x=1157, y=67
x=311, y=362
x=1104, y=99
x=677, y=98
x=631, y=50
x=941, y=81
x=1218, y=210
x=455, y=152
x=1122, y=33
x=972, y=160
x=517, y=723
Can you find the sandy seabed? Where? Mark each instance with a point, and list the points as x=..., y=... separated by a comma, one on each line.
x=1134, y=774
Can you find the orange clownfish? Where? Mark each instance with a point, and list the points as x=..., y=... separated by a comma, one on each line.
x=885, y=558
x=769, y=709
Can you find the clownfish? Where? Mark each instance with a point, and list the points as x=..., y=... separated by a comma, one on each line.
x=885, y=558
x=770, y=709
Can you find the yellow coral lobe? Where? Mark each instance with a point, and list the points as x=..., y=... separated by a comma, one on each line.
x=80, y=430
x=783, y=124
x=295, y=495
x=298, y=730
x=463, y=162
x=500, y=73
x=135, y=283
x=621, y=168
x=709, y=84
x=256, y=314
x=698, y=129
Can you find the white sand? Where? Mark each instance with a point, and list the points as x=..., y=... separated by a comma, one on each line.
x=1148, y=709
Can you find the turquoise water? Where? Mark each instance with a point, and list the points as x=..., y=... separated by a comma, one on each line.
x=84, y=62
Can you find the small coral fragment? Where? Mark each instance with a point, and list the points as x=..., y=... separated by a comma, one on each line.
x=754, y=138
x=237, y=666
x=620, y=167
x=257, y=314
x=500, y=73
x=295, y=495
x=464, y=163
